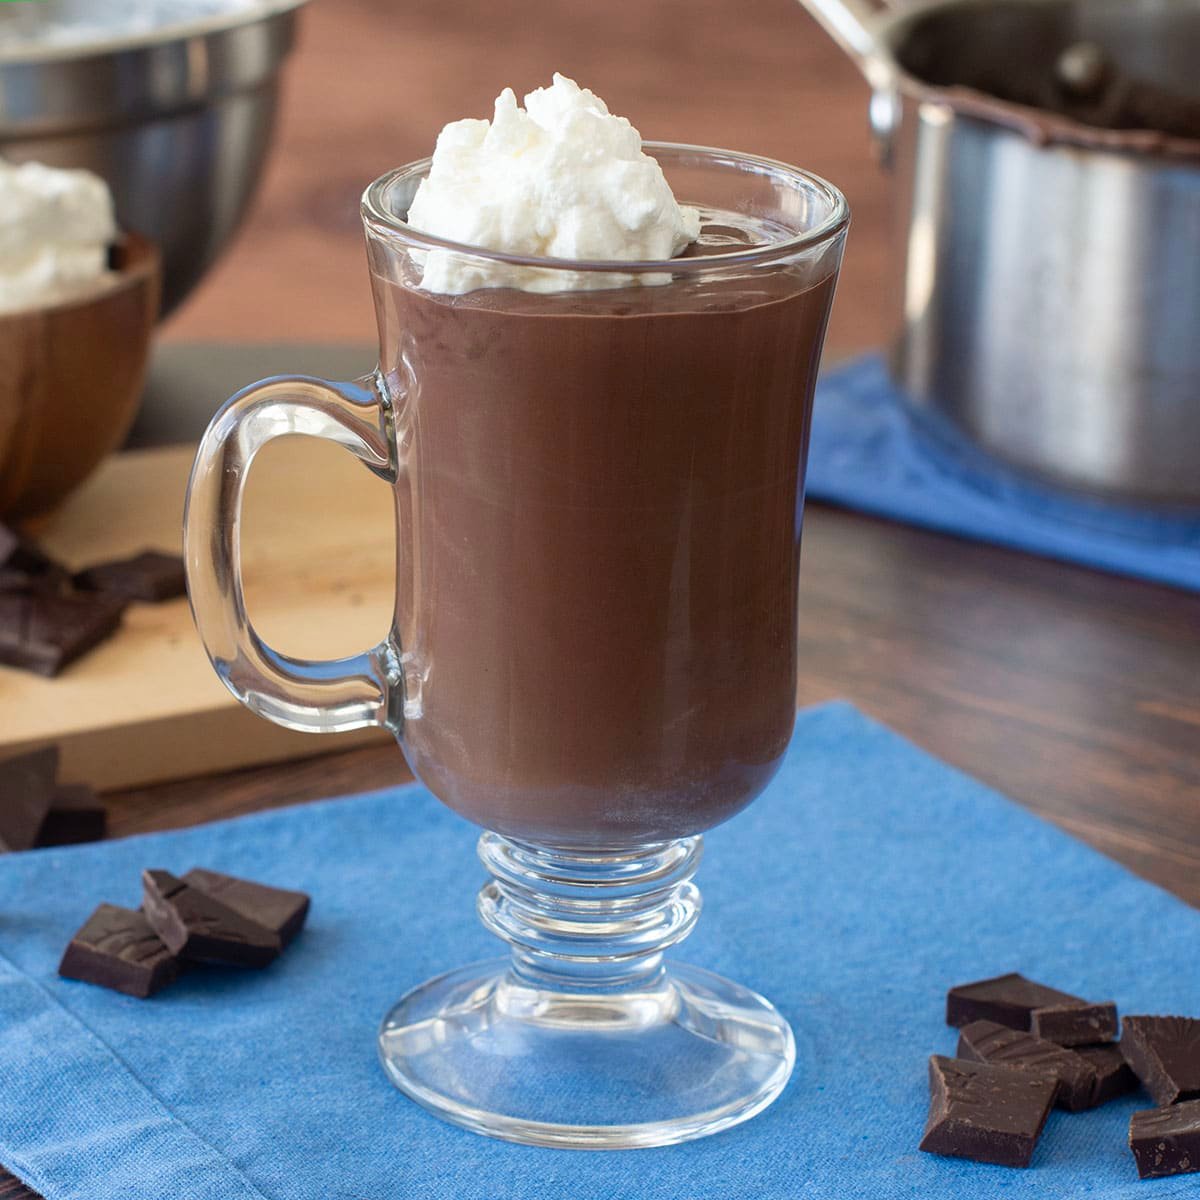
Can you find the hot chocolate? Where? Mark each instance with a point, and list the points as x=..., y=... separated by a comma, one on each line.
x=596, y=445
x=600, y=542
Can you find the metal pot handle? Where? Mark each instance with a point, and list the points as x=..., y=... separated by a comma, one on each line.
x=855, y=26
x=851, y=24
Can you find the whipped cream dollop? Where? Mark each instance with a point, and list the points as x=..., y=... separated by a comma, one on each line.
x=55, y=230
x=560, y=178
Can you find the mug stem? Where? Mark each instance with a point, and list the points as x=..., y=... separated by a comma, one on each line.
x=589, y=920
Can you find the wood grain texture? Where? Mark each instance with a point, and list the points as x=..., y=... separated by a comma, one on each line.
x=374, y=80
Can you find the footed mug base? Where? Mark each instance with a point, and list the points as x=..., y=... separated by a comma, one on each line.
x=688, y=1056
x=584, y=1037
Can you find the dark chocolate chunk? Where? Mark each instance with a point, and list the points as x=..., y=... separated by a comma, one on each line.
x=1075, y=1024
x=117, y=949
x=1166, y=1141
x=76, y=815
x=985, y=1111
x=274, y=908
x=1113, y=1076
x=26, y=792
x=43, y=632
x=1008, y=1000
x=985, y=1041
x=11, y=1188
x=24, y=565
x=199, y=928
x=1164, y=1053
x=54, y=582
x=150, y=577
x=18, y=573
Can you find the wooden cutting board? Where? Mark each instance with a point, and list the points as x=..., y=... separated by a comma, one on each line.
x=318, y=557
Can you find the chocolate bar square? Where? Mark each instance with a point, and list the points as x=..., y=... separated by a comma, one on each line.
x=24, y=565
x=1164, y=1053
x=1166, y=1141
x=27, y=790
x=1018, y=1002
x=985, y=1111
x=150, y=577
x=43, y=632
x=201, y=929
x=985, y=1041
x=1075, y=1024
x=277, y=909
x=116, y=948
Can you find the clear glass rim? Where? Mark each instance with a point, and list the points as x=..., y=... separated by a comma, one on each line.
x=378, y=219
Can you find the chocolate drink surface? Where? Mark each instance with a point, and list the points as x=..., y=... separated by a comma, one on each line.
x=599, y=543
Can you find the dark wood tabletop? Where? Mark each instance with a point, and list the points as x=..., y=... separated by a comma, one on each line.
x=1075, y=693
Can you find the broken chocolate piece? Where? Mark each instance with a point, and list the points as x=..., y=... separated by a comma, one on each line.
x=53, y=582
x=1014, y=1001
x=985, y=1111
x=24, y=565
x=1075, y=1024
x=197, y=927
x=11, y=1188
x=26, y=792
x=1164, y=1053
x=151, y=576
x=43, y=632
x=116, y=948
x=1008, y=1000
x=1166, y=1141
x=76, y=816
x=1113, y=1076
x=985, y=1041
x=274, y=908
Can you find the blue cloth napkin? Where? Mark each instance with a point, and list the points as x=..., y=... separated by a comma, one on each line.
x=868, y=879
x=870, y=452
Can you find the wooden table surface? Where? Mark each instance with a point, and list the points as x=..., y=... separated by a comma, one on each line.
x=1077, y=694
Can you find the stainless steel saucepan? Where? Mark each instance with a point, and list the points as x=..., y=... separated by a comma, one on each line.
x=1048, y=291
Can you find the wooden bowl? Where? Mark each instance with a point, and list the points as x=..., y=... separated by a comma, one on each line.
x=71, y=375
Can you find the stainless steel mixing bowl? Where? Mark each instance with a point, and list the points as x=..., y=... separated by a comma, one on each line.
x=178, y=121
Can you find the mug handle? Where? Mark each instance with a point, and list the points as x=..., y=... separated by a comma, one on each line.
x=317, y=697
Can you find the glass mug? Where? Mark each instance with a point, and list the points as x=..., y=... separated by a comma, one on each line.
x=598, y=488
